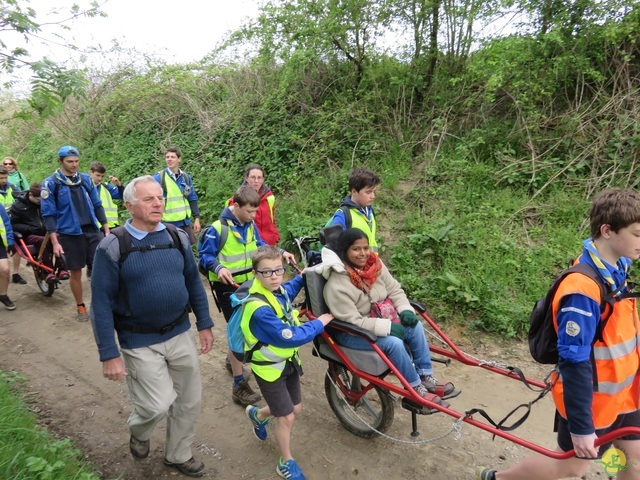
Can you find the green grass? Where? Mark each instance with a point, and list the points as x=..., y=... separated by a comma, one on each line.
x=26, y=450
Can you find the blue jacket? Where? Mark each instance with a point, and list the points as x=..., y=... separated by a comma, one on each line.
x=59, y=213
x=268, y=328
x=7, y=225
x=339, y=218
x=208, y=254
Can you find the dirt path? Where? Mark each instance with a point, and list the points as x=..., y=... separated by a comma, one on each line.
x=42, y=341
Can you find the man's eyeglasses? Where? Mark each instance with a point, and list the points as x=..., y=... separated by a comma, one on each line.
x=267, y=273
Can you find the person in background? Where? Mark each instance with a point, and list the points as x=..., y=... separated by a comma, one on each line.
x=595, y=385
x=356, y=209
x=16, y=178
x=180, y=196
x=266, y=215
x=72, y=211
x=273, y=334
x=7, y=192
x=145, y=298
x=108, y=192
x=6, y=247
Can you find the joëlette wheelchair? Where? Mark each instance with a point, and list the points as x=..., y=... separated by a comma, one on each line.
x=363, y=398
x=34, y=259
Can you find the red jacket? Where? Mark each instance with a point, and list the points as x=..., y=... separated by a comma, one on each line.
x=266, y=216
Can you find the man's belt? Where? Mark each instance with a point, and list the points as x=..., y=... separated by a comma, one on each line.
x=184, y=317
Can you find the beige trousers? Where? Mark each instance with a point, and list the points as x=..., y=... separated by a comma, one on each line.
x=164, y=381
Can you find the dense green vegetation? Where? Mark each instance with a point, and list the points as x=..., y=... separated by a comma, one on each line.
x=490, y=149
x=27, y=451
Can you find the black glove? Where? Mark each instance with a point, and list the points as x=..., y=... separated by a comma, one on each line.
x=408, y=318
x=11, y=249
x=397, y=330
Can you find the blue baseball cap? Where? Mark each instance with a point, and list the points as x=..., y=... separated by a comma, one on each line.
x=68, y=151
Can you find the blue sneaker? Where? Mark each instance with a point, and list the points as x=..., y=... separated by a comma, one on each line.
x=289, y=470
x=259, y=426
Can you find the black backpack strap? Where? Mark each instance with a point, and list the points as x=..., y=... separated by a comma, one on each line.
x=224, y=234
x=607, y=297
x=347, y=215
x=163, y=183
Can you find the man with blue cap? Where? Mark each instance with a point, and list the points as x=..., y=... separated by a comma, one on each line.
x=73, y=213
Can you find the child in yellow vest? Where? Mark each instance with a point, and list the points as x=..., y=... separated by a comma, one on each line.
x=273, y=335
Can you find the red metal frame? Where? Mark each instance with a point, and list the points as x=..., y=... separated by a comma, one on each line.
x=23, y=251
x=456, y=354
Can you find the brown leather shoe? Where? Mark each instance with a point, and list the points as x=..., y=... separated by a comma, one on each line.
x=139, y=448
x=190, y=468
x=244, y=395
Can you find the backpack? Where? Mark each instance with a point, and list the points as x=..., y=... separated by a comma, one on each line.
x=543, y=338
x=235, y=336
x=126, y=247
x=224, y=234
x=347, y=216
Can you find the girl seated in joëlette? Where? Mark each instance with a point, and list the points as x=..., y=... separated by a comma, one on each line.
x=360, y=290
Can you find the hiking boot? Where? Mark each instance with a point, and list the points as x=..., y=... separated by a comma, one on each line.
x=427, y=395
x=443, y=390
x=17, y=278
x=190, y=468
x=63, y=275
x=9, y=305
x=259, y=426
x=81, y=313
x=484, y=473
x=139, y=448
x=244, y=395
x=289, y=470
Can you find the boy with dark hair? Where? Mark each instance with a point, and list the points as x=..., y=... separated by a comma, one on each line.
x=226, y=253
x=108, y=192
x=72, y=211
x=271, y=321
x=596, y=382
x=355, y=210
x=181, y=200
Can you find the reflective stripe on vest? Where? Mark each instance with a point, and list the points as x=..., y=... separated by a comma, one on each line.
x=176, y=207
x=271, y=200
x=6, y=199
x=110, y=208
x=234, y=255
x=3, y=234
x=616, y=358
x=359, y=221
x=269, y=361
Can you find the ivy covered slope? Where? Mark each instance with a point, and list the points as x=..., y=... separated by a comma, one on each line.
x=490, y=149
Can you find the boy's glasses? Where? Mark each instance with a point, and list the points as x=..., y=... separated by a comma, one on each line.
x=267, y=273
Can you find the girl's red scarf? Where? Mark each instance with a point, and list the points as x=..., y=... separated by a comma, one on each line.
x=365, y=278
